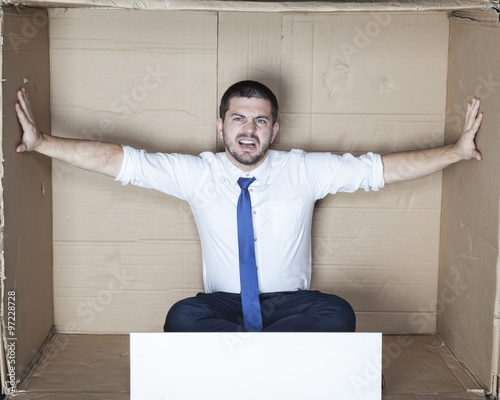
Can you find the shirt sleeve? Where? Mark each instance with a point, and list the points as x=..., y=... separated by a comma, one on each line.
x=331, y=173
x=173, y=174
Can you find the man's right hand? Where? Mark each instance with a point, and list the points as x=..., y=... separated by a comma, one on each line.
x=102, y=157
x=32, y=137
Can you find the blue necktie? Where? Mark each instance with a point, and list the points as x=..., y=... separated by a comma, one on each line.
x=250, y=302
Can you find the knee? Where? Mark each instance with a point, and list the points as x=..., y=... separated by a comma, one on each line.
x=180, y=317
x=348, y=317
x=341, y=316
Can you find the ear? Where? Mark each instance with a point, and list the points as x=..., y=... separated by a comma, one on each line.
x=276, y=127
x=220, y=125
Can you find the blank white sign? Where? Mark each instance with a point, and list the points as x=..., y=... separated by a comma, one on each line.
x=255, y=366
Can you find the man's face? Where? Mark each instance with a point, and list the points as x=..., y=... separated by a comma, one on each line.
x=247, y=131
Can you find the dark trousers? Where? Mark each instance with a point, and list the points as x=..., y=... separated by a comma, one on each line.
x=298, y=311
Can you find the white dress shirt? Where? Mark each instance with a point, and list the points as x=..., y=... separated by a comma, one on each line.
x=283, y=195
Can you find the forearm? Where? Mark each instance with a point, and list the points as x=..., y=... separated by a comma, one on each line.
x=404, y=166
x=102, y=157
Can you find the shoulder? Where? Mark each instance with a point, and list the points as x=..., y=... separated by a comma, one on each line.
x=279, y=157
x=298, y=156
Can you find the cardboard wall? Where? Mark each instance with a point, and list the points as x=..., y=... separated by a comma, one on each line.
x=27, y=189
x=467, y=295
x=123, y=255
x=346, y=82
x=271, y=6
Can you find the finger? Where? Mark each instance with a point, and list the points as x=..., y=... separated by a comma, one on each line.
x=467, y=115
x=21, y=115
x=23, y=100
x=28, y=102
x=476, y=124
x=22, y=147
x=476, y=154
x=472, y=111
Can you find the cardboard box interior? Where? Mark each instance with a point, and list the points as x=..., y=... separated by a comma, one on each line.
x=86, y=255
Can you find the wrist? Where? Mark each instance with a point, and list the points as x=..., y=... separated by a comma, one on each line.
x=41, y=142
x=456, y=152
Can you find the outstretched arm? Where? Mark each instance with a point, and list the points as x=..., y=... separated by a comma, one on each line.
x=105, y=158
x=408, y=165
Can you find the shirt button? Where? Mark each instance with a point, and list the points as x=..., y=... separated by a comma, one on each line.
x=257, y=268
x=254, y=239
x=255, y=212
x=251, y=190
x=247, y=174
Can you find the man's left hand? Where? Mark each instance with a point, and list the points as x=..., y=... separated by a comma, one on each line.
x=465, y=145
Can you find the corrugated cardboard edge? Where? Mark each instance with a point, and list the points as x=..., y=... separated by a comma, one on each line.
x=3, y=365
x=474, y=265
x=27, y=195
x=286, y=6
x=484, y=15
x=41, y=357
x=495, y=363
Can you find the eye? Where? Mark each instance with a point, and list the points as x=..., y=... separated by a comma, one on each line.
x=261, y=121
x=238, y=119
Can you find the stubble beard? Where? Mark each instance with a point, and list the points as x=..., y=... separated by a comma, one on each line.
x=245, y=158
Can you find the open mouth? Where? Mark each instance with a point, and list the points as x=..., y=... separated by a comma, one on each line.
x=247, y=143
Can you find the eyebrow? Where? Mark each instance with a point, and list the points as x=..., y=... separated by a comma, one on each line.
x=244, y=116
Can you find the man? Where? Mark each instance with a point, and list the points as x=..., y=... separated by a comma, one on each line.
x=261, y=283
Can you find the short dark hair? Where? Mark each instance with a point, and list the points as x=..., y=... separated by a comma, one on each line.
x=249, y=89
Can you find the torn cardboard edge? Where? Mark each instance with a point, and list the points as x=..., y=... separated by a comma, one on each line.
x=43, y=354
x=495, y=363
x=269, y=6
x=3, y=360
x=48, y=348
x=490, y=15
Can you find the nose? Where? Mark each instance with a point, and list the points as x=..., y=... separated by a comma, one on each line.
x=250, y=127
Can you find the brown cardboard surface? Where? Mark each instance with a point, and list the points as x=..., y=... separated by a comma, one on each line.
x=470, y=220
x=480, y=15
x=276, y=6
x=97, y=366
x=341, y=88
x=256, y=38
x=423, y=365
x=435, y=396
x=27, y=190
x=83, y=364
x=152, y=87
x=346, y=82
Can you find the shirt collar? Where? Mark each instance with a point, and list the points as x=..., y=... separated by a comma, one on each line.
x=261, y=173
